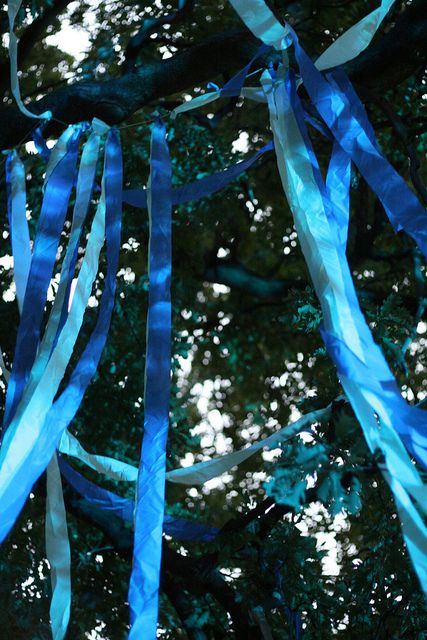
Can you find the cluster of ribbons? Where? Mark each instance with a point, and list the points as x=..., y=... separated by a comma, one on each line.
x=36, y=417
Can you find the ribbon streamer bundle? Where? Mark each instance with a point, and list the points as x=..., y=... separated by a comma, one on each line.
x=36, y=418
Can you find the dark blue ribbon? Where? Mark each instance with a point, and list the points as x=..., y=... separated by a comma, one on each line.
x=200, y=188
x=145, y=577
x=40, y=144
x=345, y=117
x=123, y=508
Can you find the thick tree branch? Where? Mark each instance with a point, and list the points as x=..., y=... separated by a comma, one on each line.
x=396, y=56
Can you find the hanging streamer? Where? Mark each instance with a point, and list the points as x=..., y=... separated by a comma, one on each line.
x=145, y=577
x=329, y=270
x=59, y=312
x=354, y=40
x=341, y=116
x=234, y=87
x=57, y=551
x=201, y=188
x=19, y=234
x=264, y=25
x=57, y=542
x=13, y=7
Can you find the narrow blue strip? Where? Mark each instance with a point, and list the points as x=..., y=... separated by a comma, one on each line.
x=51, y=222
x=200, y=188
x=357, y=138
x=145, y=577
x=123, y=508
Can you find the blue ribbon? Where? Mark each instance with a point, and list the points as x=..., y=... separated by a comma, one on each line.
x=51, y=222
x=346, y=118
x=145, y=577
x=123, y=508
x=40, y=144
x=234, y=86
x=200, y=188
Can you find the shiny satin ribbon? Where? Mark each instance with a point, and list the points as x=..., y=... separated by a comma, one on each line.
x=345, y=117
x=19, y=234
x=234, y=87
x=59, y=311
x=145, y=576
x=57, y=541
x=259, y=18
x=198, y=473
x=13, y=7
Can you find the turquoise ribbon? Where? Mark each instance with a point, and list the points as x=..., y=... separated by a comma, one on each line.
x=145, y=577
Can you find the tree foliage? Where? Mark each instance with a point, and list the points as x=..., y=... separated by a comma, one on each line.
x=310, y=529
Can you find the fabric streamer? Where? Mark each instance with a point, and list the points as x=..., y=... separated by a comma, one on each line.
x=354, y=40
x=123, y=508
x=71, y=397
x=57, y=551
x=145, y=576
x=234, y=87
x=13, y=7
x=38, y=426
x=345, y=326
x=200, y=472
x=342, y=117
x=201, y=188
x=19, y=234
x=59, y=312
x=57, y=541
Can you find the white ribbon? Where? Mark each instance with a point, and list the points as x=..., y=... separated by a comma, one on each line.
x=198, y=473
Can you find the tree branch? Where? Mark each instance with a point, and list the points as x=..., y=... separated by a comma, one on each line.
x=30, y=37
x=396, y=56
x=235, y=275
